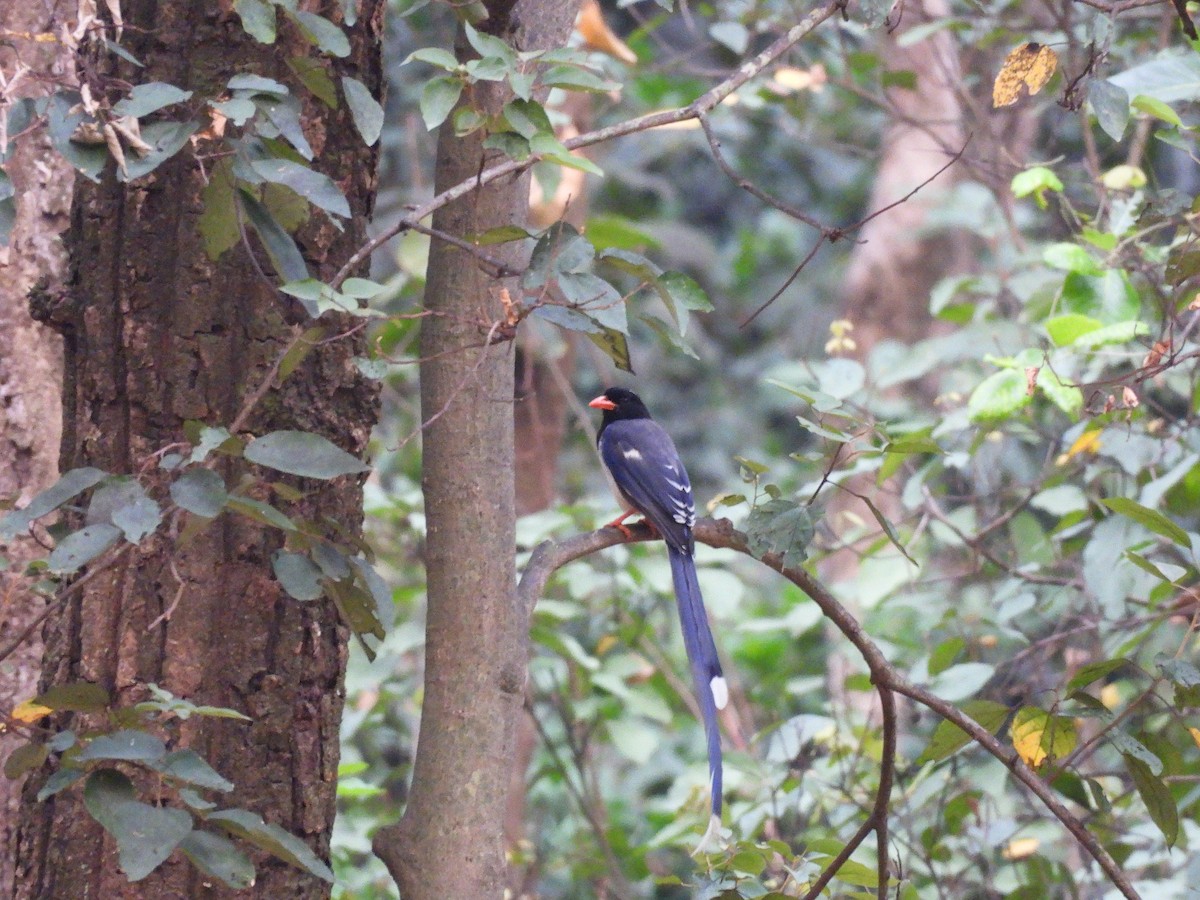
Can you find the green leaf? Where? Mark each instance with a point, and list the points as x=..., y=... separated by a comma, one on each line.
x=328, y=37
x=313, y=186
x=218, y=858
x=1067, y=397
x=616, y=345
x=260, y=512
x=385, y=605
x=1156, y=108
x=258, y=19
x=1148, y=518
x=256, y=84
x=1110, y=104
x=69, y=486
x=190, y=767
x=201, y=492
x=1119, y=333
x=733, y=35
x=438, y=98
x=1036, y=180
x=77, y=696
x=948, y=738
x=285, y=255
x=218, y=223
x=274, y=840
x=303, y=453
x=364, y=109
x=682, y=291
x=1094, y=672
x=205, y=439
x=165, y=139
x=488, y=45
x=551, y=149
x=573, y=78
x=1157, y=797
x=146, y=835
x=1071, y=258
x=1171, y=76
x=285, y=113
x=945, y=654
x=781, y=527
x=138, y=518
x=315, y=76
x=501, y=234
x=128, y=744
x=998, y=396
x=299, y=577
x=150, y=97
x=25, y=758
x=1067, y=329
x=81, y=547
x=527, y=118
x=1128, y=745
x=59, y=781
x=435, y=56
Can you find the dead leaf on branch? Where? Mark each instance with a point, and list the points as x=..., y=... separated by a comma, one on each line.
x=1028, y=66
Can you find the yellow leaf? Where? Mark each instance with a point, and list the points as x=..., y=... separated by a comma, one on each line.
x=1088, y=442
x=1110, y=696
x=1038, y=736
x=1028, y=66
x=1019, y=848
x=1195, y=732
x=29, y=712
x=605, y=644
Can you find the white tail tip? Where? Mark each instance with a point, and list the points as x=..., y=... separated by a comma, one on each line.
x=710, y=836
x=720, y=692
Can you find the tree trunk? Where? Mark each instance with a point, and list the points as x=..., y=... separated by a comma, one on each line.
x=450, y=842
x=156, y=334
x=30, y=371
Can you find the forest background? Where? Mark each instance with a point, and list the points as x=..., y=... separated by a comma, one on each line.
x=913, y=287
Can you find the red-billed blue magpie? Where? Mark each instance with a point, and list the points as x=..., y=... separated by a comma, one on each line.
x=650, y=479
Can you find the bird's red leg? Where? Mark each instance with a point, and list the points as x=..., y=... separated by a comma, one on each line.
x=624, y=529
x=617, y=524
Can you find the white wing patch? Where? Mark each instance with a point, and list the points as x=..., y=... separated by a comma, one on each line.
x=631, y=453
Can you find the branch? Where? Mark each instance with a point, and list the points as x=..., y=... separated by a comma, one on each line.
x=694, y=110
x=552, y=555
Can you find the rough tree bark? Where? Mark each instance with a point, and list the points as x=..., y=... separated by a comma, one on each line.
x=30, y=363
x=157, y=334
x=450, y=842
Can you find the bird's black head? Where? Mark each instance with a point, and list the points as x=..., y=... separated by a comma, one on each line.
x=620, y=403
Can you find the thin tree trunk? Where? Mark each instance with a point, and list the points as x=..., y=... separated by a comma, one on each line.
x=30, y=368
x=450, y=842
x=156, y=334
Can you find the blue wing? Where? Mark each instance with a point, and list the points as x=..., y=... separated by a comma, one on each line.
x=646, y=468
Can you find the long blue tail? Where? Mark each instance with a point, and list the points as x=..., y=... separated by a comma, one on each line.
x=711, y=692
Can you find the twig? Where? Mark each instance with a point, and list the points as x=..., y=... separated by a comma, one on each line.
x=835, y=234
x=706, y=102
x=496, y=268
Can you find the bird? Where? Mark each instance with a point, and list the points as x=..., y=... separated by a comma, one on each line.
x=648, y=478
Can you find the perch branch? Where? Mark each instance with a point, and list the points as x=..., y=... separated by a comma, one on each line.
x=552, y=555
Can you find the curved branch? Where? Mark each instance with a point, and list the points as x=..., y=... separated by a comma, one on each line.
x=705, y=103
x=552, y=555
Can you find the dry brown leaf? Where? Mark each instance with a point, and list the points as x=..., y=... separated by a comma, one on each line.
x=598, y=36
x=1028, y=66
